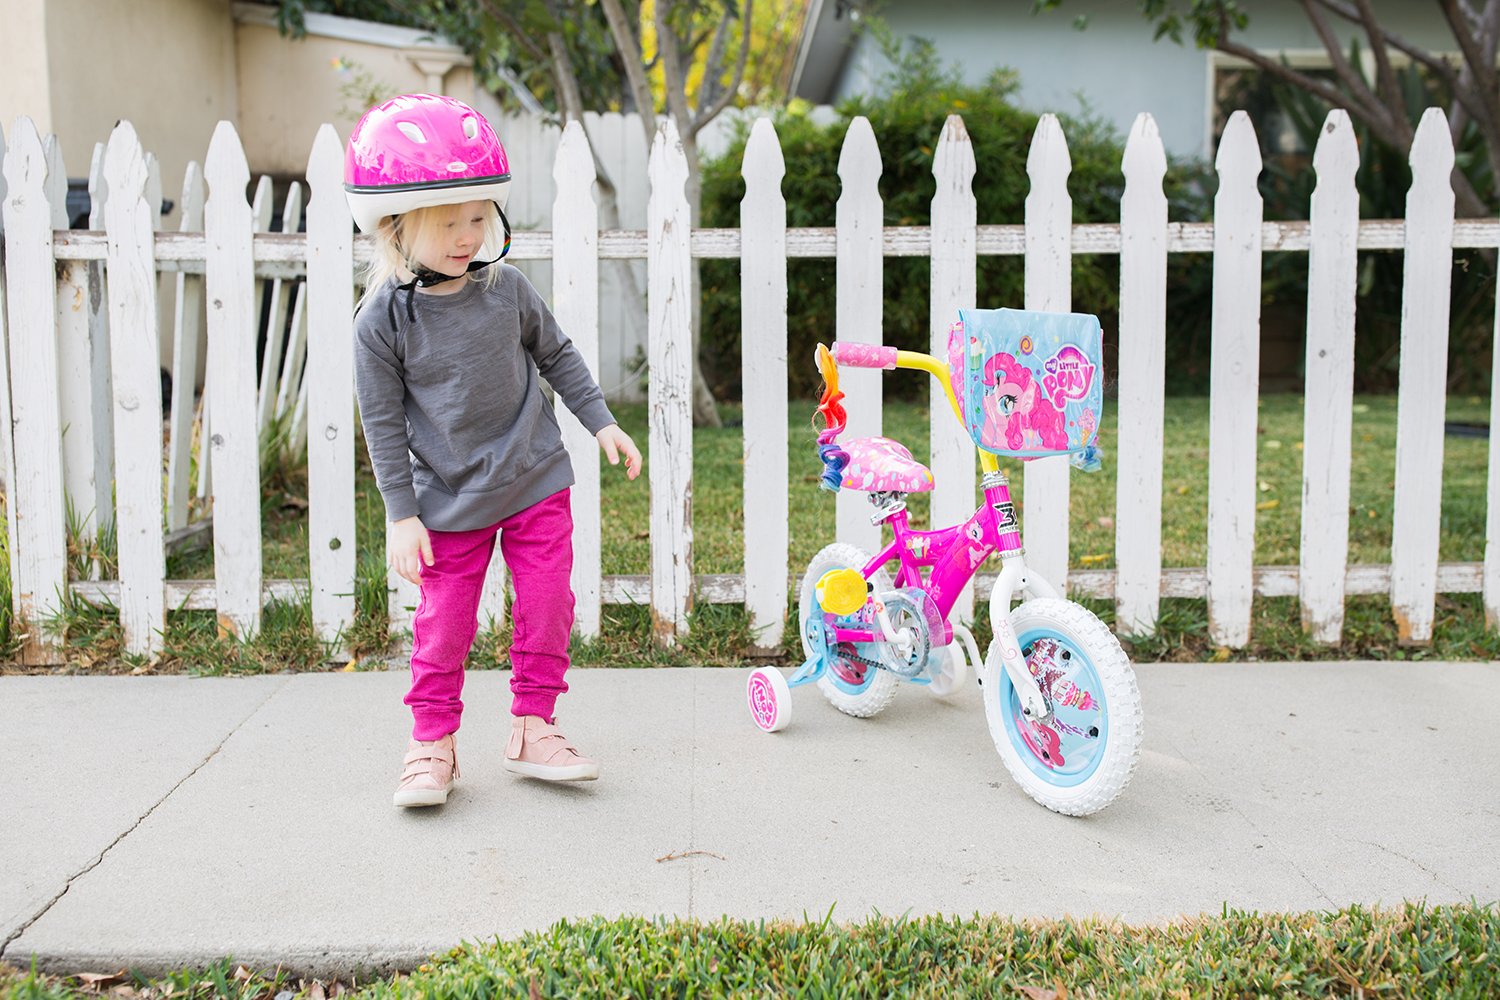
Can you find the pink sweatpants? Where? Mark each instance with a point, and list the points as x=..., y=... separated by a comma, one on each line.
x=537, y=545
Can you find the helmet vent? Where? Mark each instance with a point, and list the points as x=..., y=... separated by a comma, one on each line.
x=411, y=131
x=471, y=128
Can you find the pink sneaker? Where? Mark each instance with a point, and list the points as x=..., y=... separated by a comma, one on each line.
x=539, y=750
x=430, y=769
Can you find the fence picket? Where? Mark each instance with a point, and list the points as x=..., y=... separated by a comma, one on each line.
x=293, y=365
x=1049, y=287
x=1492, y=488
x=7, y=445
x=39, y=571
x=330, y=400
x=860, y=299
x=1422, y=386
x=1143, y=358
x=99, y=359
x=763, y=301
x=1332, y=280
x=87, y=505
x=130, y=220
x=1234, y=381
x=670, y=392
x=229, y=282
x=187, y=331
x=955, y=220
x=282, y=291
x=575, y=303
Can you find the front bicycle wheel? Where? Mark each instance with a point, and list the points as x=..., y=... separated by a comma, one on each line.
x=1082, y=756
x=852, y=685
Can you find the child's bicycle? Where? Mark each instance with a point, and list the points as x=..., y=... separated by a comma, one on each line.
x=1059, y=693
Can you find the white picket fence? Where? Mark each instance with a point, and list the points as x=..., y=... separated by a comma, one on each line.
x=233, y=252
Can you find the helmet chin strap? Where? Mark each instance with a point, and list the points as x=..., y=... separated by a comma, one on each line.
x=426, y=277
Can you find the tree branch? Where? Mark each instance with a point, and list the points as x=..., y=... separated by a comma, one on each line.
x=632, y=57
x=1352, y=78
x=708, y=115
x=1389, y=89
x=709, y=91
x=668, y=45
x=1483, y=67
x=1415, y=53
x=1330, y=94
x=515, y=28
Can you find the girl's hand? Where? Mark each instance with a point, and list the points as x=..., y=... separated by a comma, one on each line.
x=410, y=548
x=616, y=442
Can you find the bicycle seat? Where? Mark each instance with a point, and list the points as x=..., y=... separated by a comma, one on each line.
x=879, y=464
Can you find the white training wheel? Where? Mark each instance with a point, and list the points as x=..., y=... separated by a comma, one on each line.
x=770, y=699
x=948, y=669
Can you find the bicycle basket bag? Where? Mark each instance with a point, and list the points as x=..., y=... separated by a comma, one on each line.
x=1031, y=383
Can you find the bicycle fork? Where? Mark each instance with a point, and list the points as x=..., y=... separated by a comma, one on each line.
x=1015, y=578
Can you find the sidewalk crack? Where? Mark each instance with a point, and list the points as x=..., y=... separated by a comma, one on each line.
x=1252, y=825
x=5, y=945
x=1411, y=861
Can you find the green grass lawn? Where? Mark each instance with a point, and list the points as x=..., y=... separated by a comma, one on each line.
x=1410, y=951
x=718, y=492
x=719, y=536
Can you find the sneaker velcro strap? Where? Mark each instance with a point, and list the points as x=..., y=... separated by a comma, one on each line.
x=428, y=753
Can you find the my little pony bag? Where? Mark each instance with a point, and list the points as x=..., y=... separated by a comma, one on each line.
x=1030, y=383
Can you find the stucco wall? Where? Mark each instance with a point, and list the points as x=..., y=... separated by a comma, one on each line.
x=1113, y=64
x=166, y=65
x=23, y=66
x=289, y=88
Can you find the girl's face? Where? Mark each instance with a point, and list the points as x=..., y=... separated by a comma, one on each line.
x=451, y=237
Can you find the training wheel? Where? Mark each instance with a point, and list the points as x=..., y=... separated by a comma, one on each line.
x=948, y=669
x=770, y=699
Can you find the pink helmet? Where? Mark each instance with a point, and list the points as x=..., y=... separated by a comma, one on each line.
x=420, y=150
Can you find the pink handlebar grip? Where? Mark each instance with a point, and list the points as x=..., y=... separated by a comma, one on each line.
x=857, y=355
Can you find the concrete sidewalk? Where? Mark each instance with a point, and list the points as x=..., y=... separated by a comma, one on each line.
x=160, y=822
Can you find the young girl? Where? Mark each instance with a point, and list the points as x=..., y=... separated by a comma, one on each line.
x=463, y=442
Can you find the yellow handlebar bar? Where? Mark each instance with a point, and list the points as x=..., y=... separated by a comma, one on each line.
x=940, y=371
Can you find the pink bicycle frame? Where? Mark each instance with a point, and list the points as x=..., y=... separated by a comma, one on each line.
x=953, y=555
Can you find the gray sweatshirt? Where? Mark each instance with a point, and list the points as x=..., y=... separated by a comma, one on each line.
x=454, y=417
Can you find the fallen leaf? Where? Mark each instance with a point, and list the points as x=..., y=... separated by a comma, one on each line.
x=1106, y=522
x=290, y=501
x=1221, y=655
x=1298, y=446
x=1096, y=558
x=1265, y=487
x=1372, y=515
x=96, y=979
x=675, y=855
x=1273, y=444
x=317, y=992
x=1268, y=505
x=241, y=973
x=1182, y=491
x=351, y=666
x=1038, y=992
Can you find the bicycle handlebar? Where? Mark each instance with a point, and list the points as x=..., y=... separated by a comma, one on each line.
x=858, y=355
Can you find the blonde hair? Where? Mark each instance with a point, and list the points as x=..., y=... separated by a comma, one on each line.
x=398, y=237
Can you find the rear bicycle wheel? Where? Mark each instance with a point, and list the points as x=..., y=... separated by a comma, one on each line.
x=852, y=686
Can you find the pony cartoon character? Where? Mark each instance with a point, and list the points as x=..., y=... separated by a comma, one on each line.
x=1018, y=416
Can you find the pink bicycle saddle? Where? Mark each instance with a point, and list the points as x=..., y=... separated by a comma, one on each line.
x=877, y=464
